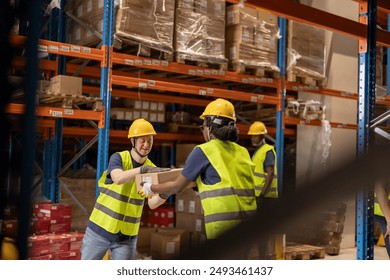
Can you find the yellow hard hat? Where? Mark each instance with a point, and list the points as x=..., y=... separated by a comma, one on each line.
x=219, y=107
x=141, y=127
x=257, y=128
x=9, y=251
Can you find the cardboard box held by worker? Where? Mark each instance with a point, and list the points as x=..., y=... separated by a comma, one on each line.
x=157, y=178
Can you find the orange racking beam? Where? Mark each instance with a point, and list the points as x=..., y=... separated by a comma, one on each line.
x=305, y=14
x=57, y=112
x=174, y=67
x=62, y=48
x=196, y=90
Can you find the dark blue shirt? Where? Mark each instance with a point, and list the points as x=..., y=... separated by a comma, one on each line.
x=197, y=164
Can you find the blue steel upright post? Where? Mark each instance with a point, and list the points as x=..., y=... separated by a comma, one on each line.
x=280, y=113
x=366, y=106
x=105, y=90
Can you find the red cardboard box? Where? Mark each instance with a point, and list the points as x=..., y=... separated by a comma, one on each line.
x=38, y=245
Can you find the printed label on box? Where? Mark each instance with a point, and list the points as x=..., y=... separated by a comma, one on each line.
x=170, y=248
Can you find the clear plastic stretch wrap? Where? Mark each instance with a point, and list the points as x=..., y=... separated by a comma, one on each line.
x=306, y=50
x=146, y=22
x=252, y=37
x=200, y=30
x=85, y=22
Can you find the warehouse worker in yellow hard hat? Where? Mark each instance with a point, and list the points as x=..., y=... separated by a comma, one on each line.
x=382, y=209
x=115, y=219
x=264, y=158
x=221, y=169
x=266, y=184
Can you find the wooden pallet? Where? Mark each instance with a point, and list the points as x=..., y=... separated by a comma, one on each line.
x=296, y=251
x=306, y=79
x=258, y=71
x=69, y=101
x=202, y=61
x=145, y=51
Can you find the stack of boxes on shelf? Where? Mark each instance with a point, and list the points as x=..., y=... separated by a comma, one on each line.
x=89, y=16
x=252, y=41
x=189, y=216
x=52, y=238
x=65, y=91
x=146, y=22
x=135, y=109
x=306, y=56
x=199, y=32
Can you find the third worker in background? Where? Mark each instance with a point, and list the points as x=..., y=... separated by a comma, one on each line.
x=266, y=182
x=264, y=158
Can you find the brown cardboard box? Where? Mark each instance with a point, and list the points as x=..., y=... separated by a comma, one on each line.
x=191, y=222
x=214, y=8
x=165, y=245
x=240, y=33
x=250, y=55
x=66, y=85
x=184, y=236
x=188, y=202
x=182, y=152
x=157, y=178
x=267, y=17
x=237, y=15
x=144, y=239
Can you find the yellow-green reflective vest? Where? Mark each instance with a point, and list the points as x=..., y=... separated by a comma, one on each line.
x=377, y=208
x=232, y=200
x=118, y=208
x=260, y=174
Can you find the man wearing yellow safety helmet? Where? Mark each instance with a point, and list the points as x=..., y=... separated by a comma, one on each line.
x=221, y=169
x=266, y=184
x=264, y=158
x=115, y=219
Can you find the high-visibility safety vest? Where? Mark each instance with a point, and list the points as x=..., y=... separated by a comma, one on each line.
x=377, y=208
x=118, y=208
x=232, y=200
x=260, y=174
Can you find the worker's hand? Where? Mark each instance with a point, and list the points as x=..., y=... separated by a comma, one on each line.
x=146, y=190
x=152, y=169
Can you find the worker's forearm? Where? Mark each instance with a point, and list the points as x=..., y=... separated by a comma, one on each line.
x=121, y=177
x=166, y=188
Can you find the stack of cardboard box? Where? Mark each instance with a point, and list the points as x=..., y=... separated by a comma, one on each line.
x=89, y=15
x=251, y=38
x=306, y=54
x=199, y=31
x=189, y=216
x=146, y=22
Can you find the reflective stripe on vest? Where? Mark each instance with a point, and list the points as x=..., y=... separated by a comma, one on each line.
x=377, y=208
x=260, y=174
x=118, y=208
x=228, y=202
